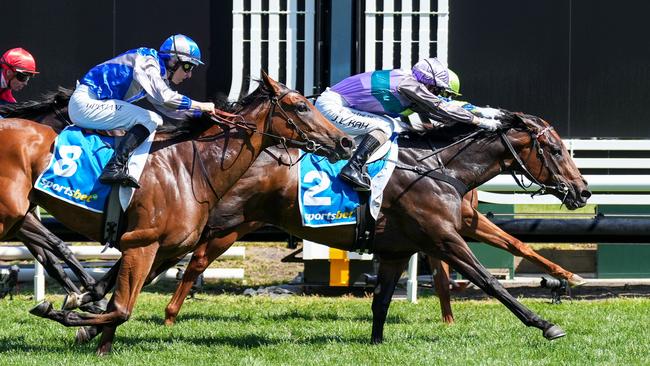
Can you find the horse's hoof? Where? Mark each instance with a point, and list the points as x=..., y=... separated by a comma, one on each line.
x=41, y=309
x=97, y=307
x=377, y=340
x=71, y=301
x=576, y=281
x=82, y=336
x=554, y=332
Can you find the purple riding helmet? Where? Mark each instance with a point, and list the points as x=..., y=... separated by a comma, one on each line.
x=431, y=72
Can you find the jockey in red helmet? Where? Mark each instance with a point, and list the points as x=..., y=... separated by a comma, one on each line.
x=17, y=66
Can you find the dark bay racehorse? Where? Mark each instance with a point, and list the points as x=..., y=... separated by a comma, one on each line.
x=187, y=173
x=420, y=214
x=427, y=224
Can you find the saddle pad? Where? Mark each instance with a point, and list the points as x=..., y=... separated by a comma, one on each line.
x=326, y=200
x=77, y=161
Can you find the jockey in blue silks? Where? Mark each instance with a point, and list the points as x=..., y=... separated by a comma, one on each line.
x=103, y=98
x=365, y=104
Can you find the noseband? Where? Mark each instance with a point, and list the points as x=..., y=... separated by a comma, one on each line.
x=236, y=120
x=559, y=187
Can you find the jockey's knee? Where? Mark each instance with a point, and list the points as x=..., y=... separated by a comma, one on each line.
x=379, y=135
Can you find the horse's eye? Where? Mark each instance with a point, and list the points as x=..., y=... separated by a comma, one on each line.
x=556, y=151
x=302, y=107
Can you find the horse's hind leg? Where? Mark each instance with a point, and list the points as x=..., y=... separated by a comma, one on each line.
x=479, y=227
x=441, y=283
x=32, y=232
x=95, y=293
x=53, y=267
x=135, y=266
x=388, y=274
x=455, y=251
x=203, y=255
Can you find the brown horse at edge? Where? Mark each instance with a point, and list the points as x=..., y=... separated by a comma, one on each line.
x=187, y=173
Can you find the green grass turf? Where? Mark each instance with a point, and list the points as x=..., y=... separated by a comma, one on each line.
x=238, y=330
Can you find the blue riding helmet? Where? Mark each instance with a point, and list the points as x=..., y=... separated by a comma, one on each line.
x=181, y=47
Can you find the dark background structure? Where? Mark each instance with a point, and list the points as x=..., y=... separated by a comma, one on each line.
x=584, y=65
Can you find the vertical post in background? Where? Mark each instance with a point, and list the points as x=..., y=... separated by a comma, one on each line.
x=274, y=39
x=369, y=54
x=443, y=31
x=310, y=10
x=341, y=41
x=255, y=43
x=405, y=35
x=292, y=43
x=412, y=283
x=387, y=36
x=423, y=32
x=237, y=50
x=39, y=273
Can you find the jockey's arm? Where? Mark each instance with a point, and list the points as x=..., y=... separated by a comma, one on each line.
x=439, y=109
x=147, y=73
x=173, y=114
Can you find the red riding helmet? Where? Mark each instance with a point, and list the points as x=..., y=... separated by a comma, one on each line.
x=18, y=59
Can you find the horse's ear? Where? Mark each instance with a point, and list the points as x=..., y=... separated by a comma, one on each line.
x=271, y=84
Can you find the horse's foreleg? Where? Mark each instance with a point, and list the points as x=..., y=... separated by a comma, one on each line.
x=136, y=265
x=441, y=283
x=388, y=274
x=479, y=227
x=203, y=255
x=455, y=251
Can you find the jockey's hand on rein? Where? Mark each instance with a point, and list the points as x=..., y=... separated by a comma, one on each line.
x=207, y=107
x=488, y=124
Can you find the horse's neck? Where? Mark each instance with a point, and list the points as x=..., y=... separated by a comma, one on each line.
x=473, y=162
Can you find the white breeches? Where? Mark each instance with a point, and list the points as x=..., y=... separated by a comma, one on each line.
x=87, y=112
x=349, y=120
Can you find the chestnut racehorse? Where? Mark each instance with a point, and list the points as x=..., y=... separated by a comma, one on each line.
x=188, y=171
x=419, y=214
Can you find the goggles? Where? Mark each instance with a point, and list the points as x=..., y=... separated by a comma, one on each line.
x=187, y=66
x=23, y=76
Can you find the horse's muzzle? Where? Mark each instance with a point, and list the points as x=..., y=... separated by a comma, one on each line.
x=345, y=147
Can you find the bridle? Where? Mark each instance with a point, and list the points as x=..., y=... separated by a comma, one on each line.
x=553, y=168
x=236, y=120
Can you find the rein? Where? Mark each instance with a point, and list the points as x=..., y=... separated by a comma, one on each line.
x=561, y=187
x=237, y=121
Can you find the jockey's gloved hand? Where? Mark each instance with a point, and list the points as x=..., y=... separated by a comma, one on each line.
x=488, y=124
x=207, y=107
x=487, y=112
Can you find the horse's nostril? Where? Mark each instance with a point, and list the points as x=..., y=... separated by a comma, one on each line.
x=347, y=142
x=585, y=194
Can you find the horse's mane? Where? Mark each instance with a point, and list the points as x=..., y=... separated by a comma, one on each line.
x=34, y=108
x=194, y=126
x=450, y=133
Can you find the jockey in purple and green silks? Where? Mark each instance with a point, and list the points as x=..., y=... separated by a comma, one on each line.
x=365, y=104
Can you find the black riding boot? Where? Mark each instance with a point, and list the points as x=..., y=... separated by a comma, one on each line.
x=354, y=171
x=116, y=170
